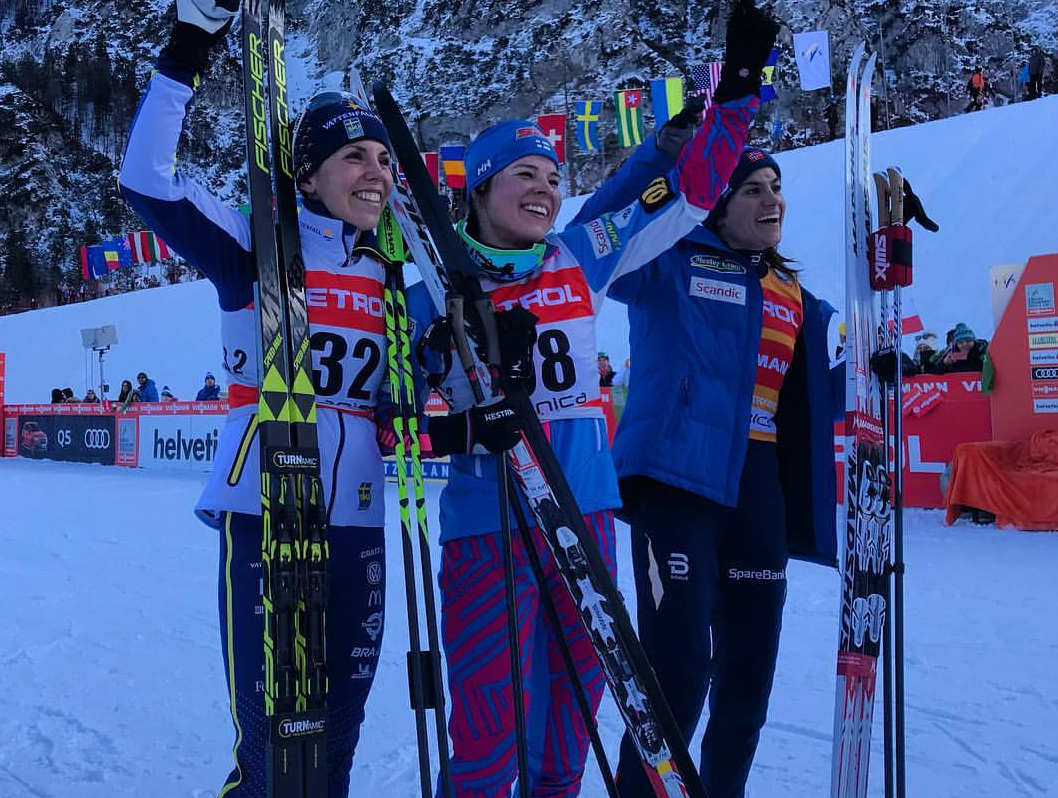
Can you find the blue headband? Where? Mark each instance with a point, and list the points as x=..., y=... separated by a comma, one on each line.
x=501, y=145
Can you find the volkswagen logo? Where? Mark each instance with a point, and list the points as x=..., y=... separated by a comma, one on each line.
x=97, y=438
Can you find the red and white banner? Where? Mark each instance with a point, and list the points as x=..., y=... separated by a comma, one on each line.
x=939, y=413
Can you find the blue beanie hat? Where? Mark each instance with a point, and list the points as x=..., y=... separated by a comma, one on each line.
x=501, y=145
x=963, y=333
x=331, y=120
x=751, y=159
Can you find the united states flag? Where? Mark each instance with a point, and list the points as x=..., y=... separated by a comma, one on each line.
x=705, y=77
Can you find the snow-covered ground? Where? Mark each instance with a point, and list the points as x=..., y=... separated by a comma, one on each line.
x=113, y=683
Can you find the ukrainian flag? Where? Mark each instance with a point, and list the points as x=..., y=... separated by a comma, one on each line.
x=667, y=96
x=767, y=77
x=587, y=114
x=455, y=169
x=629, y=105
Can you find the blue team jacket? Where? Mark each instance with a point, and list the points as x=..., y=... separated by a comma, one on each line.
x=687, y=419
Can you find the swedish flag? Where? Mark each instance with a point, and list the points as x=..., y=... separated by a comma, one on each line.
x=767, y=77
x=587, y=113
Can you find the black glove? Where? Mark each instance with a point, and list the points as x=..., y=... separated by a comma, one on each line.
x=675, y=133
x=913, y=209
x=200, y=25
x=883, y=364
x=750, y=36
x=492, y=428
x=517, y=332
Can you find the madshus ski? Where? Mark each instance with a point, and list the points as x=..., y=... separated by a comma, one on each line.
x=452, y=281
x=868, y=500
x=294, y=548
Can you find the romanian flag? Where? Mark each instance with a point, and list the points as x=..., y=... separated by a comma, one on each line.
x=667, y=97
x=455, y=168
x=767, y=77
x=117, y=254
x=629, y=105
x=587, y=113
x=433, y=166
x=146, y=247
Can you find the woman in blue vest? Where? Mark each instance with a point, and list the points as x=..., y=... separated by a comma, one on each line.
x=724, y=453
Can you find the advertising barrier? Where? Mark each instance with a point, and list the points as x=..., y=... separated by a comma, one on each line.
x=939, y=413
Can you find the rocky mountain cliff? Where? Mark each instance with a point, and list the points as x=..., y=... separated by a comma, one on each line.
x=71, y=72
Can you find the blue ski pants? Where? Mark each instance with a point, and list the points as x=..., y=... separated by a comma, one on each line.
x=355, y=614
x=710, y=587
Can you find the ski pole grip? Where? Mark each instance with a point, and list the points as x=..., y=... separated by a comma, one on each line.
x=459, y=338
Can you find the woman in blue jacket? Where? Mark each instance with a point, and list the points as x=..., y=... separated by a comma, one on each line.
x=724, y=455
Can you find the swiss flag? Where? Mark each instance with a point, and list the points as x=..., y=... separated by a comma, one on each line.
x=554, y=127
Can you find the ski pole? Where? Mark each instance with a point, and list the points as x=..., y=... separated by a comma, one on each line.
x=563, y=645
x=511, y=599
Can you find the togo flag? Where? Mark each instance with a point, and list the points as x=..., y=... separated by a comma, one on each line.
x=812, y=52
x=667, y=96
x=629, y=105
x=146, y=247
x=587, y=114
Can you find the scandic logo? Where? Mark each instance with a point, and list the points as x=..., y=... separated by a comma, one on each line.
x=718, y=290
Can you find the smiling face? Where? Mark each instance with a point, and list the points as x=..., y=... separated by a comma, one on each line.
x=353, y=183
x=519, y=205
x=754, y=215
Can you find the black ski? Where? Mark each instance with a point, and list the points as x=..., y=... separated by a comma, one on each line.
x=544, y=488
x=294, y=549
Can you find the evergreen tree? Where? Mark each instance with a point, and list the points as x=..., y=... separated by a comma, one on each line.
x=22, y=279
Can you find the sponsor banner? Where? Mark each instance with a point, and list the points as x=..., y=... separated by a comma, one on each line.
x=1045, y=405
x=945, y=411
x=1039, y=299
x=10, y=436
x=1044, y=390
x=1043, y=357
x=432, y=470
x=127, y=451
x=70, y=438
x=1042, y=340
x=1004, y=281
x=1044, y=373
x=182, y=443
x=1043, y=324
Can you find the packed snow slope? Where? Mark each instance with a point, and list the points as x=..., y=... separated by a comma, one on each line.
x=114, y=683
x=987, y=178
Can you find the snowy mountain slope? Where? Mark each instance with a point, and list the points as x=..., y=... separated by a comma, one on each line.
x=986, y=178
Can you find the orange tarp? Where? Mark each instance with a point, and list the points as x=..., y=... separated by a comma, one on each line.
x=1017, y=482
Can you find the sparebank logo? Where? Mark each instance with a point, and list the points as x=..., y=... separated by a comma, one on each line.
x=181, y=448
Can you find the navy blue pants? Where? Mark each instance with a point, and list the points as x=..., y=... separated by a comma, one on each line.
x=710, y=587
x=355, y=613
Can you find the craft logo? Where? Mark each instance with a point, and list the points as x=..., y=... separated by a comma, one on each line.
x=1039, y=298
x=623, y=217
x=715, y=264
x=718, y=290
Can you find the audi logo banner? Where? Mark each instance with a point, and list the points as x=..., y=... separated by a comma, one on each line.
x=78, y=439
